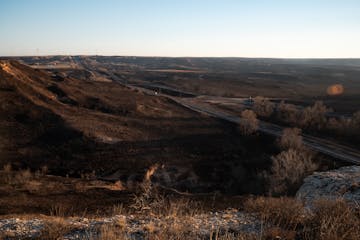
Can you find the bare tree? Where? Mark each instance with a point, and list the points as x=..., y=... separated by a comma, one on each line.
x=249, y=123
x=291, y=138
x=315, y=116
x=263, y=107
x=288, y=170
x=288, y=112
x=355, y=120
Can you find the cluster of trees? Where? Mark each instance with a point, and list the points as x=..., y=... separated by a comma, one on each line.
x=313, y=117
x=345, y=126
x=292, y=165
x=295, y=161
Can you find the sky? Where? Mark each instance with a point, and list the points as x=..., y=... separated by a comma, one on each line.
x=178, y=28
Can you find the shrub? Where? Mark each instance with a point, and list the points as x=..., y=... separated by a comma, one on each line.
x=249, y=123
x=288, y=170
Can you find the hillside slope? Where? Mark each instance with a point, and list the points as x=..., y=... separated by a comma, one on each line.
x=70, y=124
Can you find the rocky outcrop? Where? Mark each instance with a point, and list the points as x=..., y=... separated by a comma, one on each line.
x=341, y=183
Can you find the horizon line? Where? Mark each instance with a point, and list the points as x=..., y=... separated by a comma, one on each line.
x=161, y=56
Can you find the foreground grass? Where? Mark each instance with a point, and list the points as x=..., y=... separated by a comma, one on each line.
x=277, y=218
x=165, y=216
x=287, y=218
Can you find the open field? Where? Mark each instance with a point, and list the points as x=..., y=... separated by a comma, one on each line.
x=299, y=80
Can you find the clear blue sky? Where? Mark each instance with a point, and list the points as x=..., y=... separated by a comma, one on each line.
x=249, y=28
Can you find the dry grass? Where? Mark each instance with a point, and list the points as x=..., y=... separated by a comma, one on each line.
x=335, y=220
x=287, y=218
x=118, y=209
x=60, y=210
x=171, y=231
x=281, y=218
x=282, y=212
x=55, y=229
x=111, y=232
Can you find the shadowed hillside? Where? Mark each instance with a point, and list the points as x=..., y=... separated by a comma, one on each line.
x=66, y=123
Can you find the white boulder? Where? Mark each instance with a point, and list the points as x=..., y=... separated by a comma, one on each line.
x=340, y=183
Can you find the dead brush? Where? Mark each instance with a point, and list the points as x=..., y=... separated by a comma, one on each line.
x=286, y=218
x=60, y=210
x=288, y=170
x=111, y=232
x=118, y=209
x=291, y=138
x=333, y=219
x=180, y=207
x=216, y=235
x=23, y=176
x=55, y=229
x=147, y=199
x=183, y=229
x=175, y=230
x=285, y=213
x=7, y=168
x=7, y=176
x=16, y=178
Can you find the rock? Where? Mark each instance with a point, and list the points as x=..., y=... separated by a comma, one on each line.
x=341, y=183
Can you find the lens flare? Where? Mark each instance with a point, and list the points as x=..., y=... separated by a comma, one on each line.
x=336, y=89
